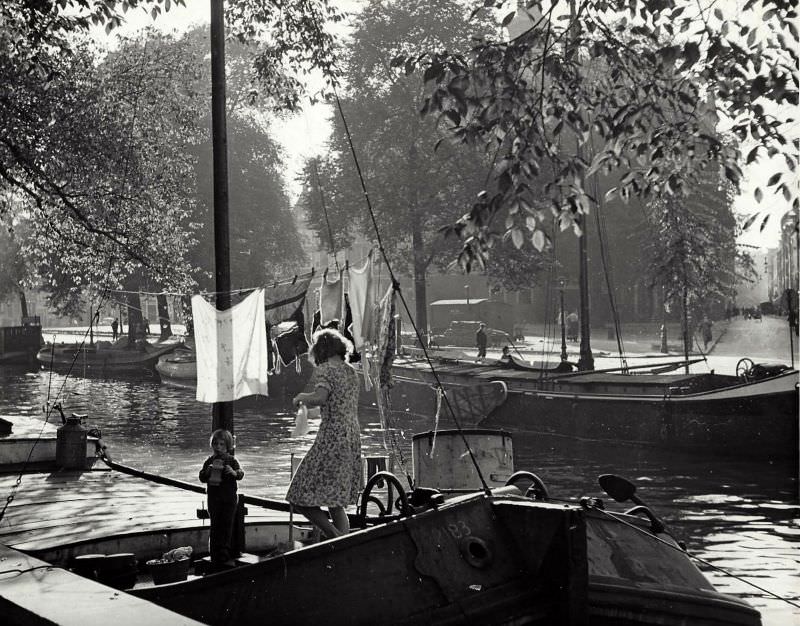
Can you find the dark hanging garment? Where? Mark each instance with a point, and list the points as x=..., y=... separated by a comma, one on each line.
x=281, y=302
x=347, y=331
x=316, y=323
x=270, y=349
x=292, y=343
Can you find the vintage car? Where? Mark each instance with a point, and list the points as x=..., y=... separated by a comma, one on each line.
x=462, y=333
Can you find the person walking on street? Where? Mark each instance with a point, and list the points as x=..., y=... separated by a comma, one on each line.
x=705, y=330
x=114, y=329
x=480, y=341
x=572, y=326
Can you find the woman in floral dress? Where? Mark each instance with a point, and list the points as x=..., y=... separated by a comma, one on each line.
x=330, y=473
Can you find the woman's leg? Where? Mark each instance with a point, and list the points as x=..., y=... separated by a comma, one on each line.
x=319, y=518
x=340, y=520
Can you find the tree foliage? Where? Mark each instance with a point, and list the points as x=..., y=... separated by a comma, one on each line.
x=619, y=87
x=108, y=154
x=692, y=248
x=96, y=156
x=101, y=153
x=16, y=270
x=417, y=179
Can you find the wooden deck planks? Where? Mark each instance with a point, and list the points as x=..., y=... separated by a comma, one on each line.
x=33, y=593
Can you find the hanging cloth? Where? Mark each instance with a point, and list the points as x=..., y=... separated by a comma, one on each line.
x=281, y=302
x=292, y=343
x=316, y=322
x=231, y=349
x=361, y=293
x=330, y=300
x=347, y=330
x=386, y=341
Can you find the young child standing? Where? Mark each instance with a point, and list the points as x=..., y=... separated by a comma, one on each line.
x=220, y=472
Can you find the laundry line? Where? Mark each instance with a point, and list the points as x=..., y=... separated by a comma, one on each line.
x=278, y=283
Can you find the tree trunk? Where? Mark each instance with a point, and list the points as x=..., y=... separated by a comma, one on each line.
x=186, y=306
x=586, y=359
x=163, y=317
x=135, y=319
x=687, y=343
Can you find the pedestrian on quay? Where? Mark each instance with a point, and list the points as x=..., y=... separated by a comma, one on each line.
x=705, y=330
x=330, y=473
x=572, y=326
x=480, y=341
x=114, y=329
x=220, y=472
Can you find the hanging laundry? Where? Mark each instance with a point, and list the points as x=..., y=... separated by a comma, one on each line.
x=292, y=343
x=384, y=329
x=361, y=293
x=281, y=302
x=330, y=300
x=347, y=330
x=231, y=349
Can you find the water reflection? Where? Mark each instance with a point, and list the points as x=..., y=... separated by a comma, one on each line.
x=740, y=516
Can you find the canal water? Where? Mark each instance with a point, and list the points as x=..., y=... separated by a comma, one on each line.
x=741, y=517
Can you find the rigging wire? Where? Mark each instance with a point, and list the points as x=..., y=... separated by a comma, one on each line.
x=394, y=281
x=602, y=236
x=325, y=212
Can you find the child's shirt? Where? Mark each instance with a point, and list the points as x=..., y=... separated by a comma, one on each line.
x=227, y=485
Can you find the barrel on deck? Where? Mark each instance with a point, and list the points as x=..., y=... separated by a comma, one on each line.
x=441, y=460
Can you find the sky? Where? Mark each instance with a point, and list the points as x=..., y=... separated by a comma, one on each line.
x=304, y=135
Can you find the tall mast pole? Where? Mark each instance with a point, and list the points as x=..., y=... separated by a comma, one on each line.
x=223, y=411
x=586, y=359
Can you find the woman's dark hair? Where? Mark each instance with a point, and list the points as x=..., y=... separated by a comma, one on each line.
x=329, y=342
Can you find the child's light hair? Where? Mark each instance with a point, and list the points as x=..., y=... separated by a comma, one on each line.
x=222, y=435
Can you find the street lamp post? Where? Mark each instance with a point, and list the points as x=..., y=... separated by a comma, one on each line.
x=561, y=284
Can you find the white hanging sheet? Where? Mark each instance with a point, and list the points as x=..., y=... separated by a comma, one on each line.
x=331, y=300
x=231, y=349
x=361, y=293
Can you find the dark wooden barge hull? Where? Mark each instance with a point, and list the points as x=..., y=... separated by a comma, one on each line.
x=477, y=560
x=721, y=415
x=103, y=361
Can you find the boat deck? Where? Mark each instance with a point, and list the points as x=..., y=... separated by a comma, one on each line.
x=33, y=592
x=464, y=372
x=54, y=515
x=53, y=508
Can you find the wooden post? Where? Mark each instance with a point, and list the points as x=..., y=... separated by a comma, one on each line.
x=223, y=411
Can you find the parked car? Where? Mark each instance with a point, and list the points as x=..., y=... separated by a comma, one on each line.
x=462, y=333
